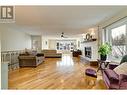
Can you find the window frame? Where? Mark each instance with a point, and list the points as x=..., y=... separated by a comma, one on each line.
x=108, y=35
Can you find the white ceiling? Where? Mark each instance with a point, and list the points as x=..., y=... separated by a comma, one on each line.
x=52, y=20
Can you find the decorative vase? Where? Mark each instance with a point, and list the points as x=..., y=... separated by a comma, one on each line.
x=103, y=57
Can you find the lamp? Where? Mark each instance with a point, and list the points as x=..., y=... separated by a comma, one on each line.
x=92, y=33
x=84, y=36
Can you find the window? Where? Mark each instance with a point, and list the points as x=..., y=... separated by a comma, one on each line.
x=118, y=40
x=116, y=35
x=66, y=45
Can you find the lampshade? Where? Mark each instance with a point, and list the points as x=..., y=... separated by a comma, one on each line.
x=92, y=32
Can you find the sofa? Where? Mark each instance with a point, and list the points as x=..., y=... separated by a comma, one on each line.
x=51, y=53
x=112, y=78
x=30, y=59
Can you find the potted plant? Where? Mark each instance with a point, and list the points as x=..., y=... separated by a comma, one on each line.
x=104, y=50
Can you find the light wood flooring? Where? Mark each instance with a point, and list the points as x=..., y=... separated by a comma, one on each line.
x=55, y=73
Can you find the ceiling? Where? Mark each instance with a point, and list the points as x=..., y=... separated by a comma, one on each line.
x=53, y=20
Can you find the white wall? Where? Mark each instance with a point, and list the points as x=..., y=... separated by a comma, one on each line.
x=52, y=44
x=45, y=43
x=39, y=44
x=48, y=43
x=11, y=39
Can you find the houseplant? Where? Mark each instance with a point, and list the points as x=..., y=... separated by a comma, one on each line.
x=104, y=50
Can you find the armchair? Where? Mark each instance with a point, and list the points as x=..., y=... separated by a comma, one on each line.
x=123, y=81
x=114, y=80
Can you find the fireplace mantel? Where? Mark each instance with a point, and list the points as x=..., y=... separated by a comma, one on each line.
x=87, y=41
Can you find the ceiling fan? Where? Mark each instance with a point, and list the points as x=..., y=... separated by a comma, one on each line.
x=62, y=35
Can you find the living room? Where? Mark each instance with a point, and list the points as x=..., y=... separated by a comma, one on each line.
x=49, y=45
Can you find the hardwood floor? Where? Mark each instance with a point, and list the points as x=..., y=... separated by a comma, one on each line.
x=55, y=73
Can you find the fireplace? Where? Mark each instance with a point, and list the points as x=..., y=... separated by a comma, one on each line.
x=88, y=52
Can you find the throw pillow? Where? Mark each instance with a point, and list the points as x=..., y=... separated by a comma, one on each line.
x=121, y=69
x=124, y=59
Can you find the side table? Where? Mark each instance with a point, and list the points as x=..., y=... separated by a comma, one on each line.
x=104, y=63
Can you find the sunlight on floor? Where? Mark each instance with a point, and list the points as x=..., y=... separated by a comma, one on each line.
x=66, y=60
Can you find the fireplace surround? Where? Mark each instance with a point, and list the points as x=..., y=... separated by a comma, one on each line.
x=88, y=52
